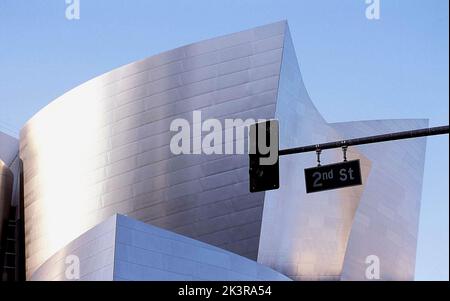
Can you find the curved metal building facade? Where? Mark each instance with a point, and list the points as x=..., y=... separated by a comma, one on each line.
x=103, y=148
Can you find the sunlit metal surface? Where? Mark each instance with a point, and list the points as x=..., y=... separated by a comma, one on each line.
x=103, y=148
x=123, y=249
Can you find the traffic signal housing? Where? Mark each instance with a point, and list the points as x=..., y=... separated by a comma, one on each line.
x=263, y=156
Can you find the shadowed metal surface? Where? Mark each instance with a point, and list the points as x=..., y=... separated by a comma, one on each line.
x=6, y=189
x=9, y=148
x=305, y=236
x=329, y=235
x=9, y=171
x=387, y=220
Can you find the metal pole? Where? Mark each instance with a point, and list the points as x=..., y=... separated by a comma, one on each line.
x=439, y=130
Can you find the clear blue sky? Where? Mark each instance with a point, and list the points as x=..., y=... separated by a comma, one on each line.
x=354, y=68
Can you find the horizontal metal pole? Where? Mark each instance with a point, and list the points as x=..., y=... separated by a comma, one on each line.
x=439, y=130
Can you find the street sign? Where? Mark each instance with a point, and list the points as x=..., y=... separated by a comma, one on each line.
x=333, y=176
